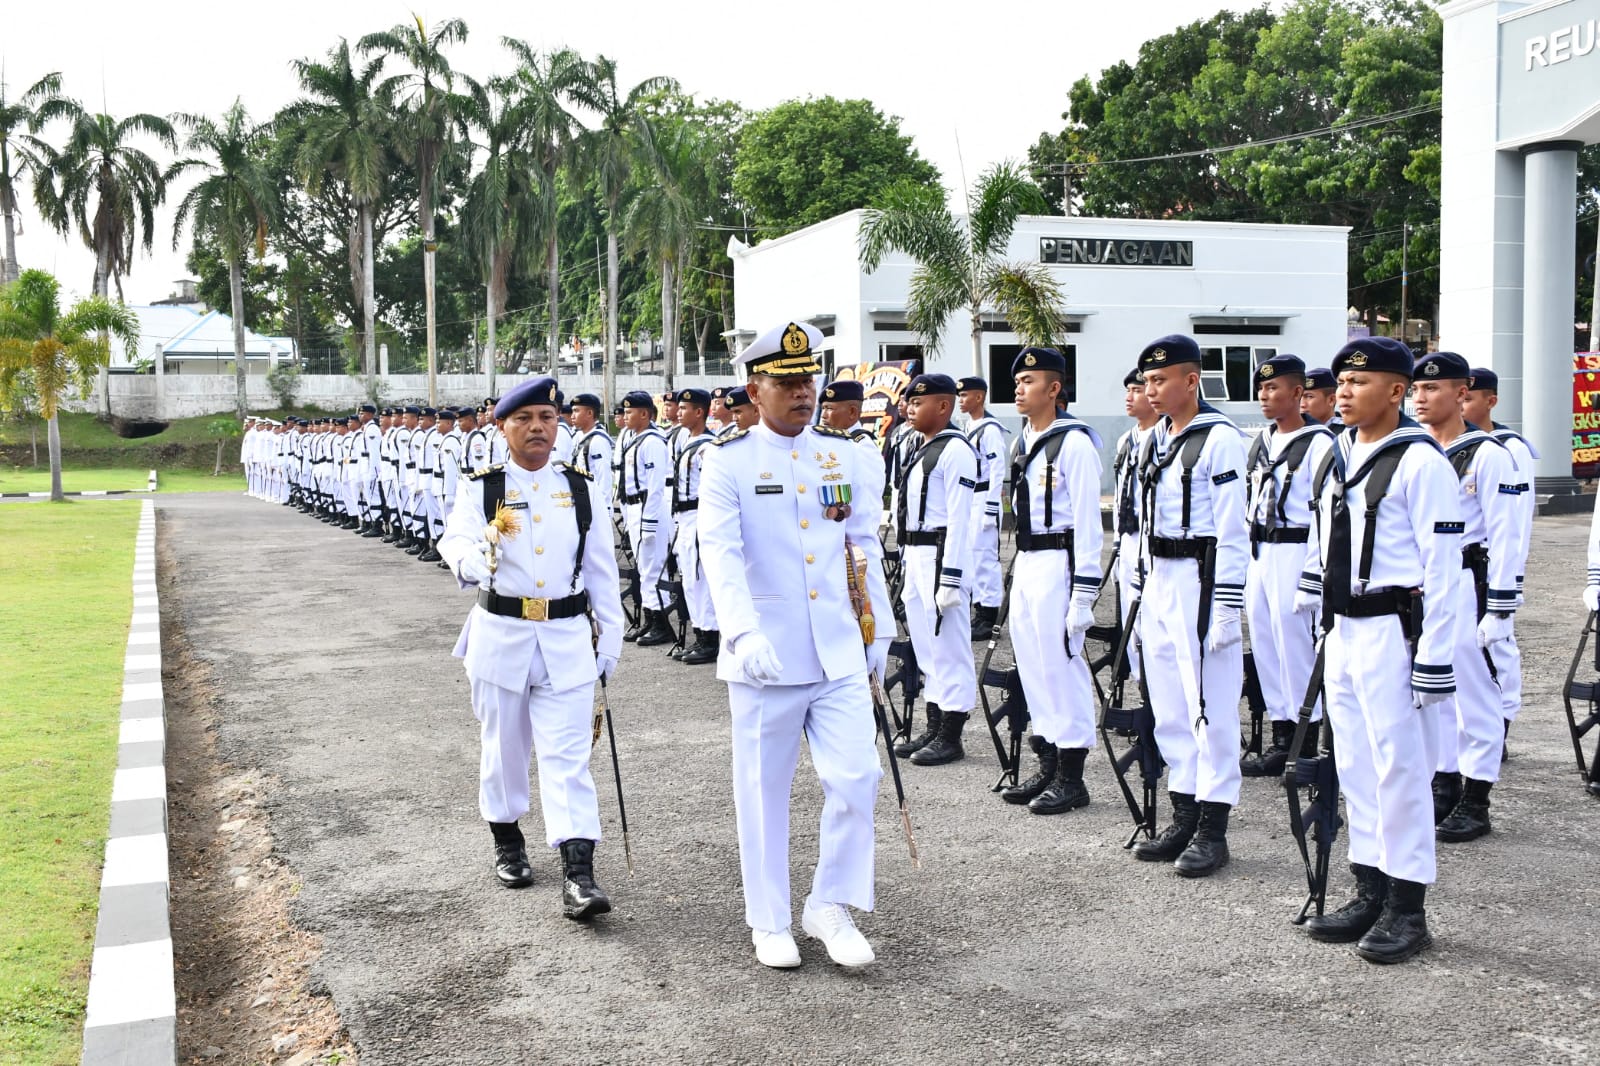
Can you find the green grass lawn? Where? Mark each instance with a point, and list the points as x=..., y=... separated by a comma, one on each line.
x=87, y=431
x=28, y=479
x=66, y=572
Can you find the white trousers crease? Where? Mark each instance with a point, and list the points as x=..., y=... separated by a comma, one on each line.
x=1281, y=640
x=1472, y=728
x=1058, y=687
x=556, y=727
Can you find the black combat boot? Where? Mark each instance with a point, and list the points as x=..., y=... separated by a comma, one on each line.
x=1446, y=794
x=1470, y=819
x=1309, y=747
x=1402, y=929
x=430, y=554
x=1025, y=790
x=1276, y=755
x=657, y=631
x=705, y=649
x=581, y=898
x=1351, y=922
x=946, y=747
x=1208, y=850
x=1066, y=791
x=1170, y=842
x=983, y=620
x=374, y=529
x=418, y=545
x=907, y=748
x=510, y=855
x=680, y=648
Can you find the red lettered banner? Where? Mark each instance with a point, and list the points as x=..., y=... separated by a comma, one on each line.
x=882, y=386
x=1586, y=415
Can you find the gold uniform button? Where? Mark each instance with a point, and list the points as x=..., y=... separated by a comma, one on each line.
x=539, y=584
x=539, y=550
x=805, y=523
x=811, y=558
x=813, y=593
x=800, y=488
x=538, y=518
x=794, y=455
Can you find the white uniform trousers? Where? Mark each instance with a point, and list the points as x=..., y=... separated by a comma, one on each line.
x=1383, y=746
x=946, y=659
x=1202, y=757
x=1058, y=688
x=416, y=522
x=696, y=589
x=1507, y=658
x=1281, y=640
x=1127, y=575
x=372, y=495
x=987, y=581
x=556, y=727
x=836, y=717
x=350, y=491
x=650, y=552
x=1472, y=728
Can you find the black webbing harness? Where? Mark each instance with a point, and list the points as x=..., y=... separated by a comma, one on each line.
x=1049, y=444
x=1406, y=603
x=1276, y=529
x=1123, y=475
x=494, y=494
x=684, y=464
x=1474, y=557
x=929, y=456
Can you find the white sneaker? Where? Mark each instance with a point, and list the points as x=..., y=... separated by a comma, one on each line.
x=777, y=950
x=831, y=924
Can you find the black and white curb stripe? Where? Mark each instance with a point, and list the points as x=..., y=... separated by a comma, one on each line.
x=132, y=1014
x=88, y=492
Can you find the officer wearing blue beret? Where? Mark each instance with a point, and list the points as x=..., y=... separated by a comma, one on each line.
x=592, y=446
x=644, y=490
x=1318, y=400
x=988, y=439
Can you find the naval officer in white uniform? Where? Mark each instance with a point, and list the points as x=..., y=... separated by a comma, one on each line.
x=775, y=514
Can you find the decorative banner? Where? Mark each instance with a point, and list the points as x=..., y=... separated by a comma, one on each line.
x=1586, y=415
x=882, y=386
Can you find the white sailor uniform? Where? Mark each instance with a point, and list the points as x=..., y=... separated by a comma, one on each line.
x=647, y=510
x=1507, y=655
x=988, y=439
x=689, y=474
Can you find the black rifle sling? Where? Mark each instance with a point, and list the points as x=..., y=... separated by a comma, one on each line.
x=1379, y=472
x=494, y=494
x=1187, y=456
x=1050, y=443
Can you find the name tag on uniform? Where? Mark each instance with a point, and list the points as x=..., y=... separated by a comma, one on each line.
x=1225, y=477
x=516, y=505
x=769, y=490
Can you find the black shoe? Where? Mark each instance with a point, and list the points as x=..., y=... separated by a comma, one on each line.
x=983, y=621
x=705, y=649
x=1402, y=929
x=418, y=546
x=581, y=898
x=1593, y=787
x=1208, y=849
x=946, y=747
x=510, y=855
x=1271, y=762
x=1446, y=794
x=1470, y=819
x=681, y=648
x=430, y=554
x=1066, y=791
x=1171, y=841
x=1351, y=922
x=373, y=530
x=1023, y=791
x=907, y=748
x=656, y=632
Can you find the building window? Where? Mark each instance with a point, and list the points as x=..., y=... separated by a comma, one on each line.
x=1003, y=389
x=893, y=353
x=1227, y=373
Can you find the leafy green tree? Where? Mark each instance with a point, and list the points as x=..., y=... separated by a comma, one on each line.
x=22, y=153
x=960, y=261
x=808, y=160
x=233, y=206
x=56, y=350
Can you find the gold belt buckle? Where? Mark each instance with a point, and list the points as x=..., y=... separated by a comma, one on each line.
x=536, y=610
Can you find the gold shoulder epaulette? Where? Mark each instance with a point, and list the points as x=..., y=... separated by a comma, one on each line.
x=830, y=431
x=730, y=437
x=476, y=474
x=580, y=471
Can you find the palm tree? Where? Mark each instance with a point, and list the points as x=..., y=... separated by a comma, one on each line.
x=661, y=219
x=610, y=151
x=431, y=114
x=21, y=152
x=56, y=350
x=542, y=87
x=959, y=261
x=343, y=127
x=231, y=208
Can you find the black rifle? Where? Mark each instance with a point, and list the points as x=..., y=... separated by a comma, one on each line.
x=1138, y=725
x=1257, y=704
x=1586, y=694
x=1014, y=707
x=1320, y=777
x=909, y=678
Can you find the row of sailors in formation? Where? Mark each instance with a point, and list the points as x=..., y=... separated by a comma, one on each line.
x=1210, y=527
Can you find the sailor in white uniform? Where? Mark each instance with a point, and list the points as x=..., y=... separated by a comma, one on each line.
x=1125, y=493
x=776, y=515
x=988, y=439
x=688, y=473
x=591, y=448
x=647, y=514
x=547, y=624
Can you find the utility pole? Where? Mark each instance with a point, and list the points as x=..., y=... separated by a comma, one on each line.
x=1594, y=309
x=1405, y=278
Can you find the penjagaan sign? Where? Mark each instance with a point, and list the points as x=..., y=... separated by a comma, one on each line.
x=1111, y=251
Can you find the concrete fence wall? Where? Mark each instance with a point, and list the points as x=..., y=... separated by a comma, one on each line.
x=167, y=396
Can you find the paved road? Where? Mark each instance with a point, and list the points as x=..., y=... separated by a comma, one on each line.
x=1022, y=938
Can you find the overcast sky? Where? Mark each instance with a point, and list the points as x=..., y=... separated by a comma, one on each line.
x=974, y=91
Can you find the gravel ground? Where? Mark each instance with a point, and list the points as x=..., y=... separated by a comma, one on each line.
x=1020, y=939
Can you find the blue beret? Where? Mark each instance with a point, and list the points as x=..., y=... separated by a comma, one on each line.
x=1320, y=377
x=1443, y=365
x=1485, y=379
x=368, y=408
x=931, y=385
x=638, y=399
x=447, y=413
x=721, y=392
x=353, y=416
x=738, y=396
x=1039, y=359
x=698, y=397
x=1133, y=377
x=589, y=400
x=1281, y=366
x=1167, y=351
x=430, y=412
x=1375, y=353
x=845, y=391
x=972, y=385
x=540, y=390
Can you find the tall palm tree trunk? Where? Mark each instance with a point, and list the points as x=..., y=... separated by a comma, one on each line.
x=489, y=354
x=9, y=269
x=553, y=263
x=369, y=316
x=977, y=344
x=669, y=325
x=236, y=297
x=611, y=317
x=427, y=289
x=53, y=435
x=102, y=289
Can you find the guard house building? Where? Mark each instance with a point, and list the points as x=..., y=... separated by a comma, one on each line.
x=1245, y=292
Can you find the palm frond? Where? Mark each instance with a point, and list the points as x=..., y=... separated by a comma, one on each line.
x=1029, y=297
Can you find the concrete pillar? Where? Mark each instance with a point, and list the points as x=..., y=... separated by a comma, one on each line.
x=383, y=360
x=161, y=381
x=1549, y=255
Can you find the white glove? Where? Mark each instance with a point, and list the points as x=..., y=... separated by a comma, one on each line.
x=756, y=659
x=1307, y=602
x=606, y=665
x=990, y=521
x=1080, y=616
x=1225, y=630
x=878, y=659
x=1494, y=629
x=474, y=566
x=1424, y=700
x=946, y=599
x=1591, y=597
